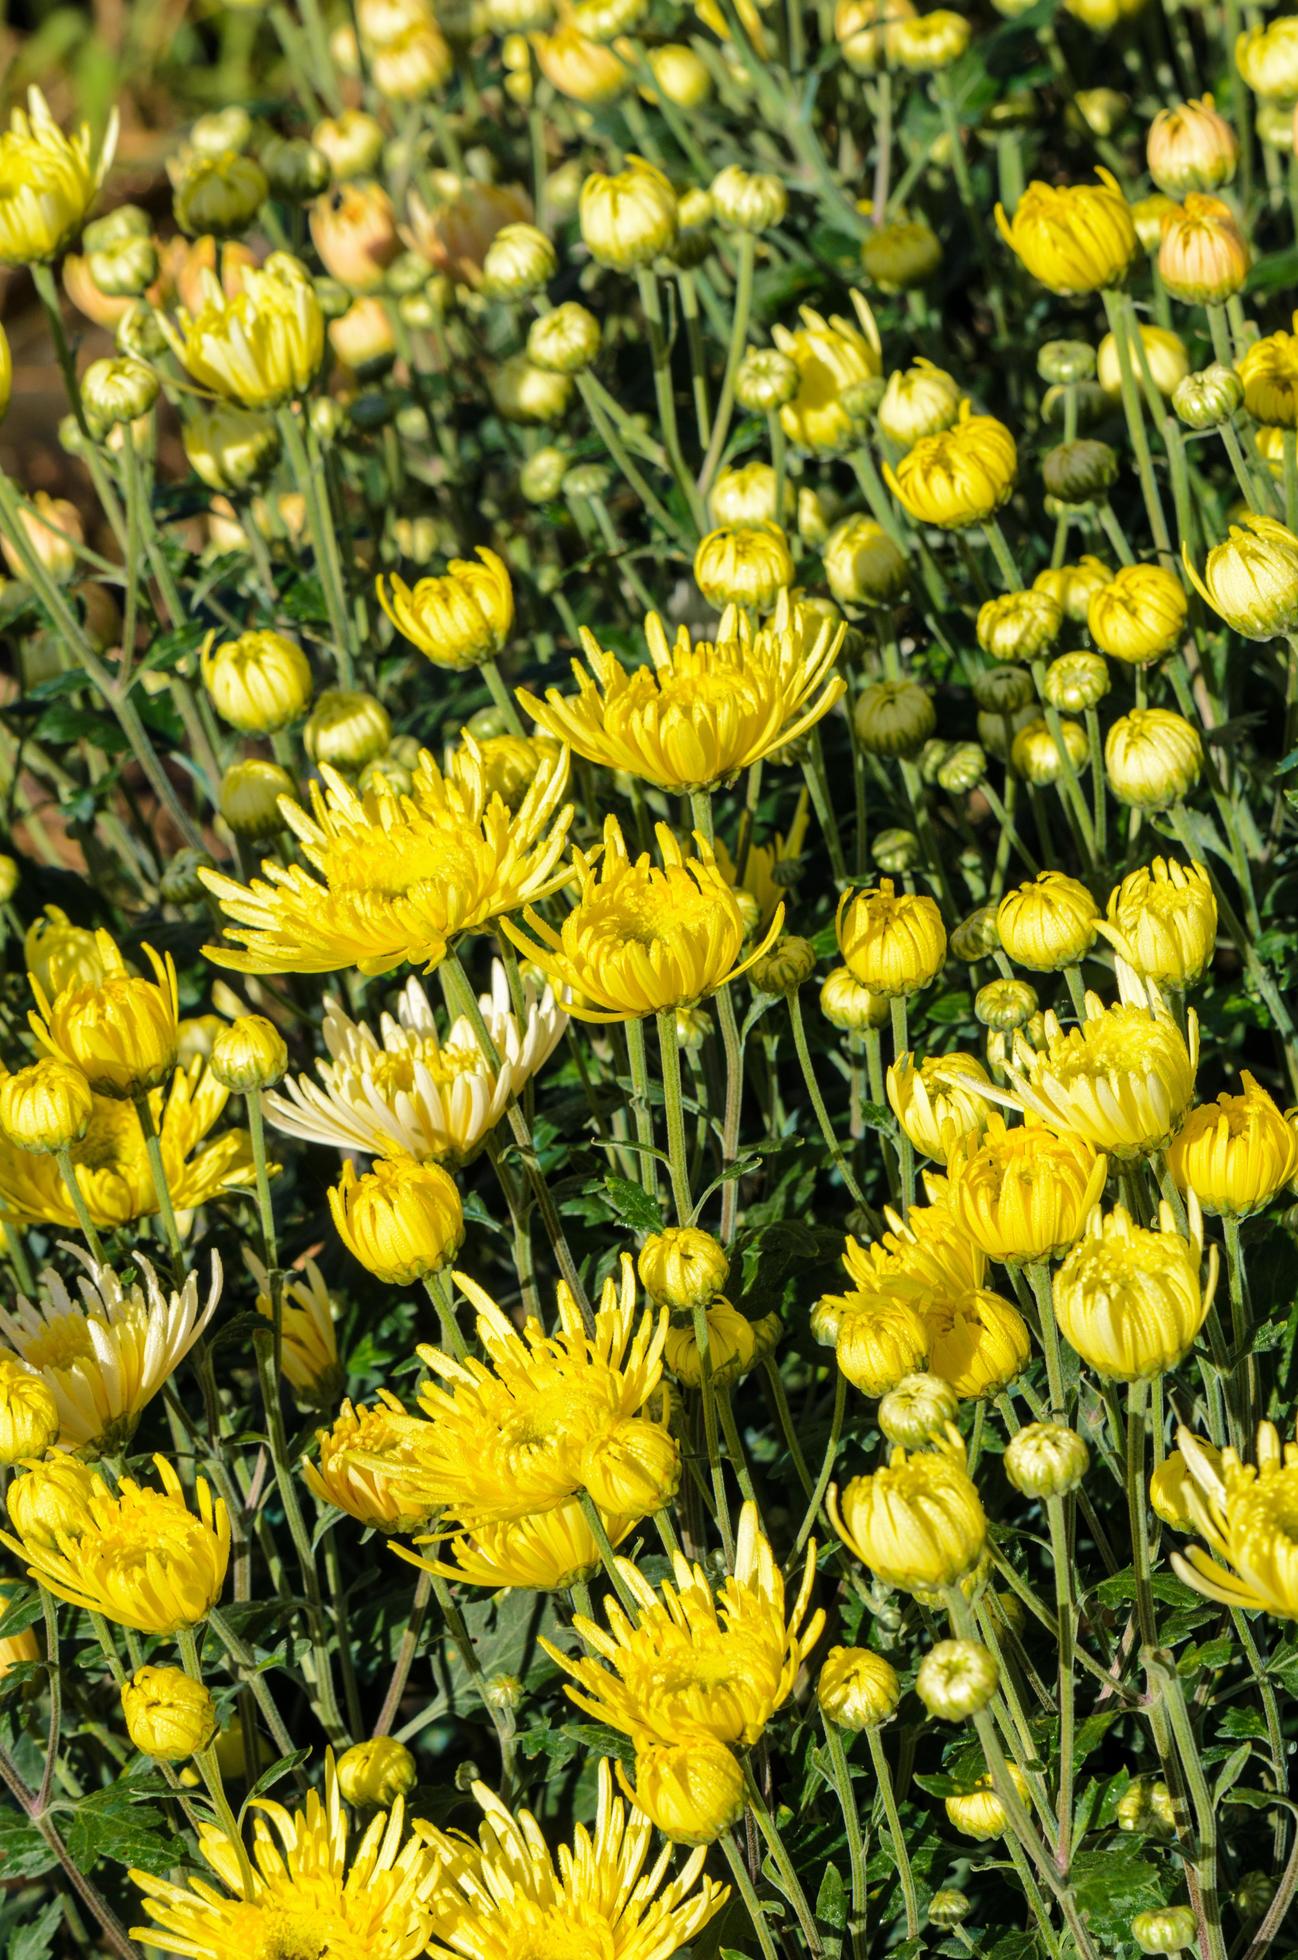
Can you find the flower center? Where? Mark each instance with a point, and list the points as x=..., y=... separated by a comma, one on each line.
x=60, y=1343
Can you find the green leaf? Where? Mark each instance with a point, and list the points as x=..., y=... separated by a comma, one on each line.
x=34, y=1940
x=831, y=1900
x=22, y=1611
x=942, y=1786
x=633, y=1206
x=1232, y=1770
x=116, y=1824
x=284, y=1767
x=23, y=1851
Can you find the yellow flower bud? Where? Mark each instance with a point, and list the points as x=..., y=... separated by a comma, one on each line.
x=258, y=683
x=743, y=565
x=1005, y=1005
x=1236, y=1154
x=628, y=218
x=1035, y=753
x=1019, y=625
x=846, y=1004
x=977, y=1341
x=1140, y=615
x=960, y=477
x=833, y=358
x=352, y=142
x=862, y=564
x=681, y=75
x=789, y=964
x=376, y=1772
x=1267, y=58
x=1130, y=1301
x=402, y=1220
x=904, y=254
x=894, y=943
x=930, y=1104
x=746, y=495
x=1024, y=1194
x=46, y=1107
x=249, y=1054
x=857, y=1688
x=918, y=401
x=520, y=260
x=1165, y=1929
x=1162, y=919
x=1147, y=214
x=1072, y=586
x=565, y=340
x=732, y=1346
x=1152, y=758
x=879, y=1338
x=894, y=718
x=219, y=196
x=230, y=448
x=682, y=1267
x=579, y=67
x=458, y=620
x=918, y=1523
x=29, y=1415
x=119, y=1031
x=168, y=1716
x=250, y=796
x=525, y=393
x=1203, y=255
x=692, y=1791
x=261, y=347
x=957, y=1679
x=1046, y=1459
x=346, y=728
x=930, y=42
x=1076, y=681
x=1191, y=148
x=866, y=31
x=50, y=1501
x=747, y=200
x=52, y=182
x=1073, y=238
x=979, y=1813
x=354, y=230
x=1165, y=352
x=51, y=530
x=1048, y=923
x=1252, y=578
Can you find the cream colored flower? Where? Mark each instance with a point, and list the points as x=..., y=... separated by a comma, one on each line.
x=407, y=1092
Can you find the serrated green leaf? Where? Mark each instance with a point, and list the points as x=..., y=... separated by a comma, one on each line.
x=23, y=1851
x=34, y=1940
x=114, y=1824
x=632, y=1205
x=277, y=1771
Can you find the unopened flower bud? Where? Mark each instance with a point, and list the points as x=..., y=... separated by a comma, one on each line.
x=346, y=728
x=249, y=796
x=850, y=1006
x=29, y=1415
x=857, y=1688
x=1065, y=362
x=168, y=1716
x=682, y=1267
x=46, y=1107
x=916, y=1410
x=962, y=768
x=249, y=1054
x=1005, y=1005
x=376, y=1772
x=790, y=962
x=1046, y=1459
x=520, y=260
x=766, y=380
x=565, y=340
x=1080, y=472
x=748, y=200
x=1003, y=690
x=957, y=1679
x=948, y=1907
x=1166, y=1929
x=896, y=850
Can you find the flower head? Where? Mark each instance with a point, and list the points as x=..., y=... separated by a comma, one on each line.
x=369, y=1465
x=744, y=565
x=48, y=182
x=1047, y=923
x=1191, y=148
x=932, y=1103
x=261, y=347
x=515, y=1896
x=308, y=1342
x=918, y=1523
x=1251, y=579
x=894, y=943
x=458, y=620
x=551, y=1552
x=1024, y=1194
x=1140, y=615
x=1236, y=1154
x=403, y=1220
x=308, y=1894
x=1204, y=256
x=138, y=1556
x=258, y=682
x=627, y=217
x=1245, y=1513
x=105, y=1355
x=857, y=1688
x=959, y=477
x=168, y=1716
x=641, y=939
x=394, y=878
x=1073, y=238
x=1131, y=1301
x=833, y=357
x=1152, y=758
x=120, y=1031
x=702, y=710
x=407, y=1090
x=1162, y=920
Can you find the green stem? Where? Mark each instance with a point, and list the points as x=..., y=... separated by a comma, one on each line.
x=210, y=1769
x=742, y=306
x=790, y=1883
x=855, y=1847
x=642, y=1107
x=883, y=1777
x=309, y=482
x=832, y=1143
x=651, y=301
x=677, y=1147
x=67, y=1170
x=747, y=1892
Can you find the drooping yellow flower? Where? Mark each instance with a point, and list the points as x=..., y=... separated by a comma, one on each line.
x=548, y=1416
x=1245, y=1513
x=137, y=1555
x=56, y=952
x=1073, y=238
x=515, y=1896
x=1236, y=1154
x=1162, y=920
x=930, y=1247
x=48, y=182
x=639, y=939
x=409, y=1091
x=401, y=1219
x=879, y=1337
x=832, y=357
x=697, y=1666
x=458, y=620
x=547, y=1553
x=1024, y=1194
x=918, y=1523
x=1251, y=578
x=977, y=1341
x=111, y=1163
x=959, y=477
x=369, y=1465
x=261, y=347
x=308, y=1341
x=1132, y=1301
x=1122, y=1080
x=120, y=1031
x=308, y=1895
x=1048, y=922
x=930, y=1103
x=703, y=710
x=394, y=878
x=105, y=1355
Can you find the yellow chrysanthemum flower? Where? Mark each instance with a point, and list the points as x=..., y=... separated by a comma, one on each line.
x=120, y=1031
x=48, y=182
x=703, y=710
x=918, y=1523
x=976, y=1341
x=1024, y=1194
x=1246, y=1515
x=307, y=1895
x=259, y=348
x=458, y=620
x=931, y=1103
x=833, y=357
x=1132, y=1301
x=1236, y=1154
x=369, y=1465
x=111, y=1163
x=548, y=1553
x=1162, y=919
x=548, y=1416
x=137, y=1555
x=640, y=940
x=697, y=1666
x=308, y=1340
x=396, y=877
x=105, y=1355
x=515, y=1896
x=407, y=1091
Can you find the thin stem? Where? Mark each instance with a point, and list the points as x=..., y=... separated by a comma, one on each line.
x=406, y=1652
x=855, y=1848
x=791, y=1884
x=677, y=1147
x=883, y=1777
x=832, y=1143
x=747, y=1892
x=742, y=306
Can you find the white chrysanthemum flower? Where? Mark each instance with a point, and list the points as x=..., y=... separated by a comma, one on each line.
x=105, y=1355
x=408, y=1091
x=308, y=1345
